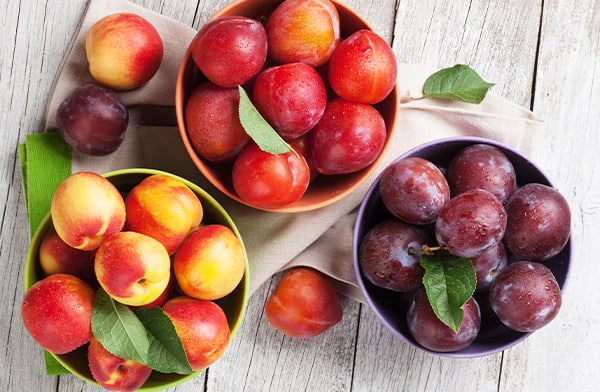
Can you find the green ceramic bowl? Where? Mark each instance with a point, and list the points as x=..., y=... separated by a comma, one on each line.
x=233, y=304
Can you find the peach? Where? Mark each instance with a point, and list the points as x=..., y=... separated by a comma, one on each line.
x=210, y=262
x=202, y=327
x=86, y=208
x=115, y=373
x=163, y=207
x=304, y=304
x=56, y=256
x=132, y=268
x=124, y=51
x=363, y=68
x=57, y=312
x=304, y=31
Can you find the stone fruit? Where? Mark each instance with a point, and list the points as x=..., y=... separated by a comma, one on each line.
x=86, y=208
x=470, y=223
x=291, y=97
x=414, y=190
x=525, y=296
x=213, y=122
x=56, y=256
x=363, y=68
x=385, y=257
x=57, y=312
x=268, y=180
x=163, y=207
x=202, y=327
x=304, y=304
x=482, y=166
x=124, y=51
x=93, y=120
x=230, y=50
x=210, y=263
x=539, y=222
x=489, y=264
x=304, y=31
x=348, y=137
x=132, y=268
x=114, y=373
x=430, y=332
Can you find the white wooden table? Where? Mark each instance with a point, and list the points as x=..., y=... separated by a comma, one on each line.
x=543, y=55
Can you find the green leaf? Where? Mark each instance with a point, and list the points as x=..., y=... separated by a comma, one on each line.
x=166, y=350
x=118, y=329
x=258, y=128
x=449, y=282
x=458, y=82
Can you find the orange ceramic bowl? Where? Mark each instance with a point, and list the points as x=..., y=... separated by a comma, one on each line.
x=324, y=190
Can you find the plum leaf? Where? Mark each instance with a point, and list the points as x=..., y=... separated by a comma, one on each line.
x=459, y=82
x=258, y=128
x=166, y=350
x=449, y=282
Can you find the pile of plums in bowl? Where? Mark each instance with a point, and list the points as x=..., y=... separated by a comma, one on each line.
x=136, y=279
x=316, y=73
x=462, y=247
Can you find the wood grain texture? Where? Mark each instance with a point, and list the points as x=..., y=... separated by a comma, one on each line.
x=544, y=55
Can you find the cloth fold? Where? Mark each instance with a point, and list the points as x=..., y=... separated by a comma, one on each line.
x=321, y=239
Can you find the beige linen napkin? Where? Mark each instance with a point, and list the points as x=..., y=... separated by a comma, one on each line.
x=321, y=239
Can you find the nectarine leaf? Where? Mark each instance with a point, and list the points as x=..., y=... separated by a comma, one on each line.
x=118, y=329
x=166, y=350
x=258, y=128
x=458, y=82
x=449, y=282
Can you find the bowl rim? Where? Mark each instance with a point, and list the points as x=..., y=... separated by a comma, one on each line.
x=31, y=275
x=356, y=237
x=359, y=177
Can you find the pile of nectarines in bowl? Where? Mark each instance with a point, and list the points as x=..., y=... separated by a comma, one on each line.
x=316, y=72
x=146, y=247
x=462, y=247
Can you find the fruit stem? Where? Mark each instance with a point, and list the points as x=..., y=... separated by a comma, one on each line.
x=425, y=250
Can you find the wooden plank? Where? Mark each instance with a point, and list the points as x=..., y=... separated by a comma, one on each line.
x=567, y=96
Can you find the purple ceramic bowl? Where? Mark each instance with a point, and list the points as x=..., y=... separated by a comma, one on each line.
x=390, y=307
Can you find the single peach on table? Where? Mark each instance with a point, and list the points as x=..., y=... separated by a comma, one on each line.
x=56, y=256
x=304, y=31
x=114, y=373
x=203, y=329
x=363, y=68
x=304, y=304
x=86, y=208
x=132, y=268
x=57, y=312
x=210, y=262
x=163, y=207
x=124, y=51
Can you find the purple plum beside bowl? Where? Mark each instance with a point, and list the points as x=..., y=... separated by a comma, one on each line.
x=391, y=306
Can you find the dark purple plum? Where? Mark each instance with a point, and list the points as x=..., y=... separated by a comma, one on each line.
x=93, y=120
x=471, y=223
x=414, y=190
x=539, y=222
x=431, y=333
x=482, y=166
x=525, y=296
x=385, y=259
